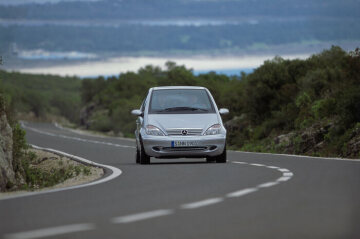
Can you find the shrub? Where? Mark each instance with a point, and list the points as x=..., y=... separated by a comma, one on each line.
x=323, y=108
x=349, y=106
x=303, y=100
x=100, y=121
x=19, y=147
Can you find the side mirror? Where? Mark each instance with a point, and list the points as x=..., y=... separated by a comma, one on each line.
x=223, y=111
x=137, y=112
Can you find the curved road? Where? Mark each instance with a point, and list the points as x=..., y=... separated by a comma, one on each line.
x=252, y=196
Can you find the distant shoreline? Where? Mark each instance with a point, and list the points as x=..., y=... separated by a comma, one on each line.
x=117, y=65
x=229, y=61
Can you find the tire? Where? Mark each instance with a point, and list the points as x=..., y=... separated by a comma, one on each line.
x=137, y=156
x=222, y=157
x=144, y=158
x=210, y=159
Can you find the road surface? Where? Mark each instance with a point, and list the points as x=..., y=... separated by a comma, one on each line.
x=252, y=196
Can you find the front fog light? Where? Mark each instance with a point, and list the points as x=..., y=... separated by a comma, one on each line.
x=215, y=129
x=153, y=130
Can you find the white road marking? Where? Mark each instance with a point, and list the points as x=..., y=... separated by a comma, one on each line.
x=266, y=185
x=239, y=162
x=288, y=174
x=257, y=164
x=283, y=170
x=76, y=138
x=272, y=167
x=84, y=133
x=141, y=216
x=241, y=192
x=115, y=173
x=283, y=179
x=201, y=203
x=51, y=231
x=297, y=156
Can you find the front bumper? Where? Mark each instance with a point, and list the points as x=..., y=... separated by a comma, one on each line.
x=161, y=146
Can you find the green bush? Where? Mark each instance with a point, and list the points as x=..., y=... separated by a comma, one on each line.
x=101, y=122
x=303, y=100
x=323, y=108
x=38, y=178
x=19, y=141
x=349, y=106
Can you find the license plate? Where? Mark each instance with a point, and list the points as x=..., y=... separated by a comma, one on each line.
x=184, y=143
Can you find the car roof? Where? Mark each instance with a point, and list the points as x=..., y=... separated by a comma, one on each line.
x=178, y=87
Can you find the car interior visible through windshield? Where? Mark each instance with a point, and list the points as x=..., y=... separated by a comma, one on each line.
x=180, y=101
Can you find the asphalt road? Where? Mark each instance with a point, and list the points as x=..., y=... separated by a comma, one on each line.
x=251, y=196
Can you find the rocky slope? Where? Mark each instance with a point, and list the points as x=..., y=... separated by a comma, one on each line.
x=7, y=173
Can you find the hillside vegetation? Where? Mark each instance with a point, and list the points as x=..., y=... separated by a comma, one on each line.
x=41, y=96
x=307, y=106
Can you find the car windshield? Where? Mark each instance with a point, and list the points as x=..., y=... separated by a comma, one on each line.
x=180, y=101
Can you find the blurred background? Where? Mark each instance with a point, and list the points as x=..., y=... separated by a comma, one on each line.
x=89, y=38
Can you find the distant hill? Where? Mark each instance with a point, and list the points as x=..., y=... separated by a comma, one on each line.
x=141, y=26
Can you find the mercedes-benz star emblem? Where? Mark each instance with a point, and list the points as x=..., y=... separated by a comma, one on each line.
x=184, y=132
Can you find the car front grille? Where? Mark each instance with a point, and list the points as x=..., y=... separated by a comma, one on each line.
x=181, y=132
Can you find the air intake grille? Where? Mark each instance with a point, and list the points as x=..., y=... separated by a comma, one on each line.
x=184, y=132
x=184, y=149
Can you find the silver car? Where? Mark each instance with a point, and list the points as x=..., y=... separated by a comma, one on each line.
x=180, y=122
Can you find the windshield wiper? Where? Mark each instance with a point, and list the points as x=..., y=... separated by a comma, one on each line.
x=182, y=109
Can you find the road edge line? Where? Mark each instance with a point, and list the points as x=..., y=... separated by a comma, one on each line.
x=115, y=173
x=89, y=133
x=75, y=138
x=51, y=231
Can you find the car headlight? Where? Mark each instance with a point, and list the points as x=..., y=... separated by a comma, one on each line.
x=215, y=129
x=153, y=130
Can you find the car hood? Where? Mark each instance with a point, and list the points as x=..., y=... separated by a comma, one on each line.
x=187, y=121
